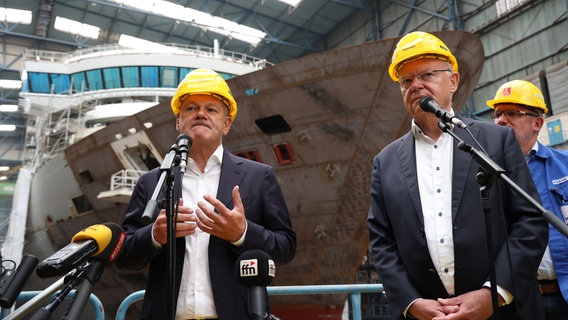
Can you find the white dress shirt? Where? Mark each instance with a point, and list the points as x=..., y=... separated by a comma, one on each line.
x=434, y=172
x=195, y=294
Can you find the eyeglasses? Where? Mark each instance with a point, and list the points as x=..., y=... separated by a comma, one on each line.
x=406, y=82
x=512, y=114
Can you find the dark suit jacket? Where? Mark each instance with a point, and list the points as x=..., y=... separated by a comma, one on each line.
x=269, y=229
x=396, y=225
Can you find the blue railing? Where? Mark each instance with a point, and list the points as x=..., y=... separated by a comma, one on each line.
x=354, y=291
x=98, y=308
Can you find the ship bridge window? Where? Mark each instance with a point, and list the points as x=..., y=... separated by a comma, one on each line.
x=183, y=72
x=169, y=77
x=78, y=81
x=149, y=76
x=284, y=153
x=130, y=77
x=106, y=78
x=251, y=155
x=111, y=78
x=94, y=79
x=60, y=82
x=39, y=82
x=273, y=125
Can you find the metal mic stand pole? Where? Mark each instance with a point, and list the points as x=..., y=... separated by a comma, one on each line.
x=171, y=159
x=45, y=312
x=93, y=272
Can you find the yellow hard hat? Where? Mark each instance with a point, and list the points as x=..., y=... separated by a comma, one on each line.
x=519, y=92
x=416, y=45
x=204, y=81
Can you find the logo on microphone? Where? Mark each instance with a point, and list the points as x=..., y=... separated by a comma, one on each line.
x=118, y=246
x=249, y=268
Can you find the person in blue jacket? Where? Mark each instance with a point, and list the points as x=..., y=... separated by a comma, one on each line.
x=520, y=105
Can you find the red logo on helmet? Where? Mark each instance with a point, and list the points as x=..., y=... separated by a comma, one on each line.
x=506, y=91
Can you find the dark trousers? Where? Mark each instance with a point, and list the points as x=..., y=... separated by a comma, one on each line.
x=555, y=306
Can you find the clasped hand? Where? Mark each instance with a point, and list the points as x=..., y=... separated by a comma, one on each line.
x=473, y=305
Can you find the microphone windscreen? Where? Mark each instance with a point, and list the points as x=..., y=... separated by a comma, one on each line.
x=109, y=237
x=184, y=140
x=255, y=268
x=423, y=103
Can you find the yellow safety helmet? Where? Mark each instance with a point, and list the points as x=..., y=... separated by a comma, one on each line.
x=519, y=92
x=416, y=45
x=204, y=81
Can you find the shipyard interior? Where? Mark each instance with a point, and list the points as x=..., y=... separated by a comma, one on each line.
x=85, y=87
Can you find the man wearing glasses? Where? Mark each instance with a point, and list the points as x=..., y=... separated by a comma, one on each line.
x=426, y=219
x=520, y=105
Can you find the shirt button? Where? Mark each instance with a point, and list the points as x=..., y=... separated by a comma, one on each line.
x=437, y=168
x=439, y=214
x=441, y=240
x=439, y=190
x=446, y=270
x=435, y=146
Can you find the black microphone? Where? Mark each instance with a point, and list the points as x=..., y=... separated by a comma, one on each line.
x=430, y=105
x=13, y=281
x=101, y=242
x=255, y=270
x=184, y=143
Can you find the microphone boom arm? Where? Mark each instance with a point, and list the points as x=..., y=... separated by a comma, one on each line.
x=489, y=172
x=170, y=160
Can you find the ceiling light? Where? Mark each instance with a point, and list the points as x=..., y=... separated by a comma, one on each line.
x=4, y=168
x=8, y=107
x=293, y=3
x=15, y=15
x=75, y=27
x=11, y=84
x=7, y=127
x=197, y=18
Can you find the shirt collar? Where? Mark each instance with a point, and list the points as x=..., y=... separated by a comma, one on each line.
x=218, y=154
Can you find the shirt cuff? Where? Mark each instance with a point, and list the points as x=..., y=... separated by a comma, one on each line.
x=241, y=240
x=405, y=311
x=506, y=295
x=154, y=242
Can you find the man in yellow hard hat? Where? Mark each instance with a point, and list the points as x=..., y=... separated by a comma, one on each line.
x=227, y=205
x=426, y=218
x=520, y=105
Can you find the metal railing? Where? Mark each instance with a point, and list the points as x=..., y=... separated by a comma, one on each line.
x=35, y=298
x=125, y=179
x=354, y=291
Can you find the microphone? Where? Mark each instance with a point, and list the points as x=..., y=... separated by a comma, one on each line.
x=184, y=143
x=255, y=270
x=102, y=242
x=430, y=105
x=13, y=281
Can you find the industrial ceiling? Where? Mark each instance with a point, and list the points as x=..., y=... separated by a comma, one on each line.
x=291, y=31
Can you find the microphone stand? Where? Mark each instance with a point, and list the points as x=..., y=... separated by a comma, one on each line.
x=72, y=280
x=93, y=272
x=489, y=172
x=171, y=159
